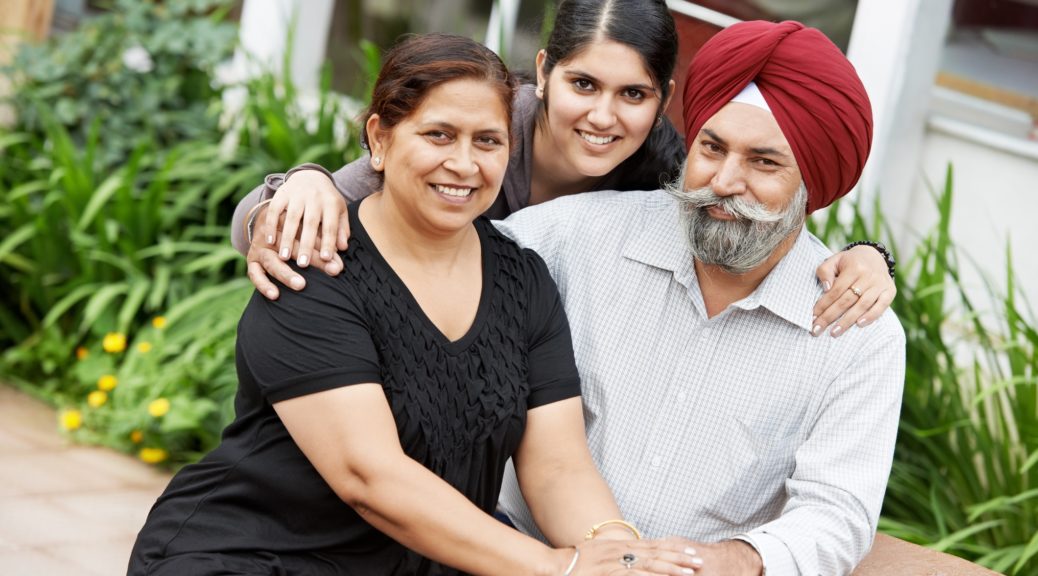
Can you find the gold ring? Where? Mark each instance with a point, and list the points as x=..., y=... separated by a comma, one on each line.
x=856, y=291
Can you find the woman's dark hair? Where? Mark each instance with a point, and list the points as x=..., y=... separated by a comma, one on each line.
x=646, y=26
x=418, y=63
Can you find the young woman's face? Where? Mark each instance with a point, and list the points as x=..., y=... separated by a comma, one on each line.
x=601, y=106
x=445, y=162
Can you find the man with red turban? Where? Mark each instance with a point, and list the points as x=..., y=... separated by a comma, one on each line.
x=710, y=409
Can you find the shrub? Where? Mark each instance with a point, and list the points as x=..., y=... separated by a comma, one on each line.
x=965, y=479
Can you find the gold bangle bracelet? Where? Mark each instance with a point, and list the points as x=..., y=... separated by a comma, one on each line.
x=594, y=529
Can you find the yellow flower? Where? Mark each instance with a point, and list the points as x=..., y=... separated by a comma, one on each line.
x=114, y=342
x=159, y=322
x=152, y=455
x=82, y=353
x=97, y=398
x=71, y=419
x=136, y=436
x=144, y=347
x=107, y=383
x=158, y=407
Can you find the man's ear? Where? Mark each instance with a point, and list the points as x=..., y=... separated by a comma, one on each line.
x=378, y=139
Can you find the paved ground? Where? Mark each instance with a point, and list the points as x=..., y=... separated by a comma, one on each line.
x=65, y=509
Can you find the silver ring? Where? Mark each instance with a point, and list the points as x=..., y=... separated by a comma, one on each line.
x=628, y=560
x=856, y=291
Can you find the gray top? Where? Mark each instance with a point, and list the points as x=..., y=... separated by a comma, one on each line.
x=740, y=425
x=657, y=161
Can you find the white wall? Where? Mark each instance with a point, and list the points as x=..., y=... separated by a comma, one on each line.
x=995, y=200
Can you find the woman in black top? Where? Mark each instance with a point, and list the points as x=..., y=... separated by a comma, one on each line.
x=376, y=410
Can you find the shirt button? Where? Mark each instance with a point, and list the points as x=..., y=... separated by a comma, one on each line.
x=656, y=461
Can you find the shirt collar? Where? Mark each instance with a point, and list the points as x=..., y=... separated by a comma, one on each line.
x=789, y=291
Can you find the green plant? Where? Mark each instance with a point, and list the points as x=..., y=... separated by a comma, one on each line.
x=140, y=73
x=163, y=392
x=965, y=475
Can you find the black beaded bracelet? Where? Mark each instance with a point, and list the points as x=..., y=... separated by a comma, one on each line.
x=887, y=256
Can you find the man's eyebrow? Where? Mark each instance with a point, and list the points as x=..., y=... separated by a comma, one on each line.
x=713, y=136
x=765, y=151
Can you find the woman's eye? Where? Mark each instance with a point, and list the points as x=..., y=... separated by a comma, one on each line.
x=583, y=84
x=437, y=136
x=634, y=94
x=488, y=141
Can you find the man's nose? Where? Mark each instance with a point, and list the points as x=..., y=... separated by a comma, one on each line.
x=729, y=180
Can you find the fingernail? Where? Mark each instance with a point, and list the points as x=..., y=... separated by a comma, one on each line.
x=297, y=282
x=836, y=331
x=697, y=561
x=826, y=286
x=271, y=294
x=690, y=551
x=270, y=238
x=284, y=253
x=325, y=255
x=687, y=571
x=862, y=322
x=816, y=330
x=304, y=260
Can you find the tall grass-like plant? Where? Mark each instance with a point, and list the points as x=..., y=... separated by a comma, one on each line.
x=965, y=475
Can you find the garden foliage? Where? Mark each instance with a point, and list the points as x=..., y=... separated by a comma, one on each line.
x=118, y=285
x=965, y=474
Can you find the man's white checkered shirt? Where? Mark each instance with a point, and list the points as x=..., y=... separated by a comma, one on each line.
x=742, y=425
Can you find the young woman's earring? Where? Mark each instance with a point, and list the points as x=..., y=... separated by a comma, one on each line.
x=377, y=161
x=540, y=92
x=659, y=120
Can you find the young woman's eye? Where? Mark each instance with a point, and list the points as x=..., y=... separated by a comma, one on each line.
x=583, y=84
x=634, y=94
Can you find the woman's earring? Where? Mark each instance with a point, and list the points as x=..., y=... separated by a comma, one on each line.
x=659, y=120
x=377, y=161
x=540, y=92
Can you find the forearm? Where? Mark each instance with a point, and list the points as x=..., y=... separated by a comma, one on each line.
x=241, y=211
x=568, y=500
x=418, y=509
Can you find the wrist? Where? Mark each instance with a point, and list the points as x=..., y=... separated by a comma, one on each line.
x=888, y=258
x=556, y=562
x=749, y=561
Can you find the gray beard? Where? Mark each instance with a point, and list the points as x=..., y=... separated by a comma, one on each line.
x=736, y=246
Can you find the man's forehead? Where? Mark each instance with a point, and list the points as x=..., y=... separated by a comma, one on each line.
x=747, y=126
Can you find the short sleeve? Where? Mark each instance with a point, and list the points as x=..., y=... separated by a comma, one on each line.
x=552, y=370
x=308, y=341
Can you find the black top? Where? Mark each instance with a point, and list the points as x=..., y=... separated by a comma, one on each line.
x=460, y=410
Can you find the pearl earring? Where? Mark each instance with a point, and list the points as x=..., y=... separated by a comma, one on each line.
x=377, y=161
x=540, y=92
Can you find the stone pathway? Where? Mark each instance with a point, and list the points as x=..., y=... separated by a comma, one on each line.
x=65, y=509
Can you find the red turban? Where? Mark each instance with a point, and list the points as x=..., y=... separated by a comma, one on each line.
x=812, y=89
